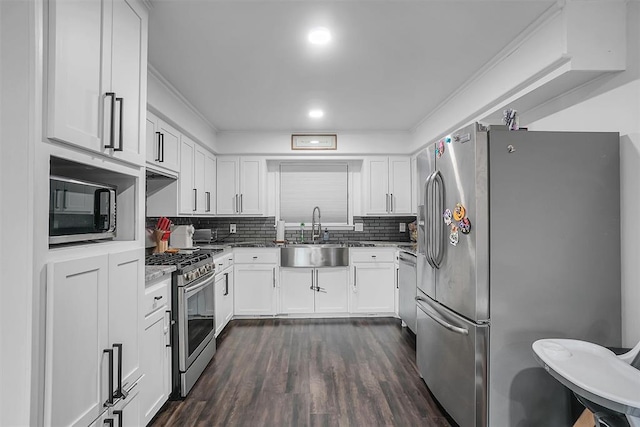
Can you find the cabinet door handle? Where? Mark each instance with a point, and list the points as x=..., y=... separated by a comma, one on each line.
x=236, y=201
x=397, y=278
x=158, y=157
x=274, y=277
x=241, y=209
x=120, y=138
x=109, y=401
x=64, y=198
x=169, y=325
x=208, y=196
x=313, y=288
x=226, y=284
x=195, y=199
x=119, y=392
x=112, y=125
x=391, y=202
x=355, y=276
x=162, y=148
x=118, y=413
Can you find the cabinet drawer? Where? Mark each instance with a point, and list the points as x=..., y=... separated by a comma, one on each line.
x=368, y=255
x=156, y=296
x=223, y=262
x=267, y=256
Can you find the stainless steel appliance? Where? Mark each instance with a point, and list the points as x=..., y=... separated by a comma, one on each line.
x=407, y=289
x=519, y=239
x=193, y=343
x=80, y=210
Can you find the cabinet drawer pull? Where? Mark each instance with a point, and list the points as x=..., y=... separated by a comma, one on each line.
x=157, y=298
x=118, y=413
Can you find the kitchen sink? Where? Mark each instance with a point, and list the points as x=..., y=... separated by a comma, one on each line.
x=314, y=255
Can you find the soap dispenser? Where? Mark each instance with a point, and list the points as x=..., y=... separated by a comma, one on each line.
x=325, y=236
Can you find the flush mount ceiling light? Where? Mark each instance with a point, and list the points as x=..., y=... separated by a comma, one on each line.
x=316, y=114
x=319, y=36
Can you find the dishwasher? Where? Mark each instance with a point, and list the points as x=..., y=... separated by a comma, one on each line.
x=407, y=290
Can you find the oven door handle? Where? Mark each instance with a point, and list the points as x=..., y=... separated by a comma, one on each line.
x=206, y=281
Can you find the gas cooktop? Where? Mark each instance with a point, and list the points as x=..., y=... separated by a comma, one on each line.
x=180, y=260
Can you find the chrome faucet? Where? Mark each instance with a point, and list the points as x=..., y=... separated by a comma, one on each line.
x=314, y=223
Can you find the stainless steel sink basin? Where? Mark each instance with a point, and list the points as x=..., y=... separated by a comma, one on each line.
x=314, y=255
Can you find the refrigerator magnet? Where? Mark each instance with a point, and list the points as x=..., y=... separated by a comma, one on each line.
x=464, y=225
x=459, y=212
x=446, y=216
x=440, y=149
x=453, y=236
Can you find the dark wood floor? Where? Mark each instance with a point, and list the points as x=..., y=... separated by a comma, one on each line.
x=320, y=372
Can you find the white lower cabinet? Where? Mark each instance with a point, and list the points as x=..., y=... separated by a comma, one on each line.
x=314, y=290
x=93, y=326
x=255, y=289
x=156, y=349
x=223, y=298
x=255, y=281
x=373, y=281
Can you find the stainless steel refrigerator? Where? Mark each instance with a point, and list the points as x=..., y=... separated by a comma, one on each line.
x=519, y=239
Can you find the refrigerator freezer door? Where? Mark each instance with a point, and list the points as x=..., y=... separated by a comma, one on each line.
x=451, y=354
x=462, y=279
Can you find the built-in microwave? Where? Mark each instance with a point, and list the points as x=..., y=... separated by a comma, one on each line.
x=80, y=210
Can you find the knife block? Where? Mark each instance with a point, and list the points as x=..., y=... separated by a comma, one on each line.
x=161, y=245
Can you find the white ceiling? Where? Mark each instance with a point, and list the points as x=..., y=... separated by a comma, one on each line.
x=247, y=66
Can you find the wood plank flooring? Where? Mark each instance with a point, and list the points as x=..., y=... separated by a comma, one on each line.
x=302, y=372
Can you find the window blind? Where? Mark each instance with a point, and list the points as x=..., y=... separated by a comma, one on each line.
x=304, y=186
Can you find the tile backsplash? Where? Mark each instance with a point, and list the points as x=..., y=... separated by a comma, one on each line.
x=262, y=229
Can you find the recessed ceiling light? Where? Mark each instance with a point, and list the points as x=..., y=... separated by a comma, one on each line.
x=315, y=141
x=319, y=35
x=316, y=114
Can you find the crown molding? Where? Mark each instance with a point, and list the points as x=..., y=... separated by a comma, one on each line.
x=175, y=92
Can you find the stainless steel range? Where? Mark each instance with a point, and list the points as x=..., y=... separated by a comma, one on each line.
x=192, y=298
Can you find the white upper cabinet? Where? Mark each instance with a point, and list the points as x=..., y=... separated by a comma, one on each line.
x=197, y=178
x=97, y=76
x=387, y=185
x=163, y=144
x=239, y=186
x=209, y=191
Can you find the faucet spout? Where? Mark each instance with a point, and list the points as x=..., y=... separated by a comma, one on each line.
x=314, y=223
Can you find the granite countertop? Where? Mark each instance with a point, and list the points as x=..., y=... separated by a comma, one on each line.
x=410, y=247
x=153, y=272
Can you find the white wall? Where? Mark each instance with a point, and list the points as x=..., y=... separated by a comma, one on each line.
x=165, y=101
x=16, y=216
x=348, y=143
x=612, y=104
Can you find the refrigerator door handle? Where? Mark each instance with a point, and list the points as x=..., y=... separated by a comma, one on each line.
x=429, y=222
x=438, y=185
x=439, y=321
